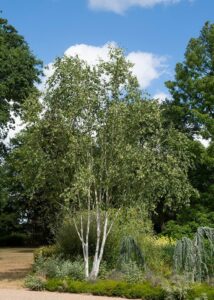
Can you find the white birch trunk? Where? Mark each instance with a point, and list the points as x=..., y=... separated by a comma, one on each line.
x=85, y=240
x=99, y=252
x=102, y=235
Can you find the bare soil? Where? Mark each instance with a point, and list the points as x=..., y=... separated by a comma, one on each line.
x=15, y=263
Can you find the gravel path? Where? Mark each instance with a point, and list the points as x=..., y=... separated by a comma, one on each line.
x=15, y=263
x=12, y=294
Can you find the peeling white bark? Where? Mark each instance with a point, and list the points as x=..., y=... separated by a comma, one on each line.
x=103, y=230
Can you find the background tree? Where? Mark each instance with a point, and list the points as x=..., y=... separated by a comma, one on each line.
x=19, y=71
x=100, y=138
x=192, y=105
x=191, y=110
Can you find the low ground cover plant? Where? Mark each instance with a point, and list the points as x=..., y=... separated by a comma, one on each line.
x=109, y=288
x=143, y=269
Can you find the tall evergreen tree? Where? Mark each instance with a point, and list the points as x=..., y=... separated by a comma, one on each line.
x=192, y=105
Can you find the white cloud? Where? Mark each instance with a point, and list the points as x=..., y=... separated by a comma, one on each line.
x=161, y=96
x=147, y=66
x=48, y=72
x=120, y=6
x=89, y=53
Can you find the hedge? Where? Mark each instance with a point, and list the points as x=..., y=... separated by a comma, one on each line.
x=107, y=288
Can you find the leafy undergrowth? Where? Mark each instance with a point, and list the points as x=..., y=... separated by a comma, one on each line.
x=203, y=291
x=119, y=289
x=107, y=288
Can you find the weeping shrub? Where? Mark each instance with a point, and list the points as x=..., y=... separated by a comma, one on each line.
x=184, y=257
x=195, y=258
x=130, y=252
x=204, y=247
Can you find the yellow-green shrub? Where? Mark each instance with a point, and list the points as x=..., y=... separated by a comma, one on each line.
x=158, y=253
x=46, y=251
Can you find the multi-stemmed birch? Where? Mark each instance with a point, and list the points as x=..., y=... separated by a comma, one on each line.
x=94, y=101
x=117, y=149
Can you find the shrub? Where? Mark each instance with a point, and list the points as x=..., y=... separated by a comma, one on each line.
x=201, y=292
x=46, y=267
x=55, y=267
x=46, y=251
x=196, y=257
x=67, y=239
x=107, y=288
x=177, y=288
x=34, y=283
x=130, y=252
x=132, y=273
x=132, y=221
x=158, y=253
x=74, y=270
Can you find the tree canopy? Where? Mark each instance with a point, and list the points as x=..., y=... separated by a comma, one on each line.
x=19, y=71
x=97, y=132
x=192, y=105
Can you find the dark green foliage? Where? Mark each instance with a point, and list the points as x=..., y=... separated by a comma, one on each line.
x=19, y=71
x=68, y=240
x=14, y=239
x=191, y=110
x=33, y=196
x=122, y=289
x=107, y=288
x=70, y=246
x=201, y=210
x=188, y=221
x=118, y=289
x=192, y=106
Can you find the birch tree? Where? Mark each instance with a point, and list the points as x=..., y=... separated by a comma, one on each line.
x=115, y=140
x=98, y=117
x=96, y=146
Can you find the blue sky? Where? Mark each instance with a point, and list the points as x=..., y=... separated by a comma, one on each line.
x=153, y=32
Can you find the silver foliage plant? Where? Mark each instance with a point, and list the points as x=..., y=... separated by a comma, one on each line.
x=195, y=258
x=130, y=252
